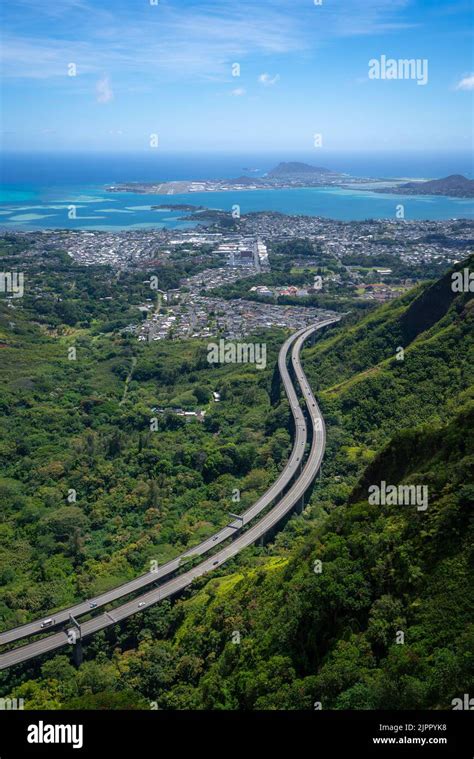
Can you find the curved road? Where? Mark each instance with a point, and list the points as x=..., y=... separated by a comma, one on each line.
x=285, y=476
x=245, y=539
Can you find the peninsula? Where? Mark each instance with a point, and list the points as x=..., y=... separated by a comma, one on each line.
x=283, y=176
x=455, y=186
x=294, y=174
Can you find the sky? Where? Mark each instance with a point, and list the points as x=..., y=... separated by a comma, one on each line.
x=234, y=75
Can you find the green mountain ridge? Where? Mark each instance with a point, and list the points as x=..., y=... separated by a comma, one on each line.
x=454, y=185
x=296, y=168
x=385, y=621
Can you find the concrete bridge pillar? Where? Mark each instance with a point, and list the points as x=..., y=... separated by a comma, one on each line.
x=78, y=653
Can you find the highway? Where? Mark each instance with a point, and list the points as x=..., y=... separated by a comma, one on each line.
x=244, y=539
x=284, y=478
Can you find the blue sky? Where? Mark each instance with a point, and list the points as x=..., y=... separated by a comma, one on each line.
x=166, y=69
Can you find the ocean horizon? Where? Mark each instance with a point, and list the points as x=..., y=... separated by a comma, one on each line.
x=38, y=190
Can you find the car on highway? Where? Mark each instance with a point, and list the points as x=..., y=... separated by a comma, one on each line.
x=35, y=649
x=92, y=605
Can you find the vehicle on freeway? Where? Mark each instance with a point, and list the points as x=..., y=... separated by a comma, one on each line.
x=172, y=586
x=47, y=622
x=92, y=604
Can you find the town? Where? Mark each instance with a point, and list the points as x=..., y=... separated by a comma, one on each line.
x=299, y=269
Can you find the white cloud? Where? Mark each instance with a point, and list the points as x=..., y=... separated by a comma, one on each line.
x=268, y=80
x=466, y=83
x=200, y=43
x=238, y=92
x=104, y=93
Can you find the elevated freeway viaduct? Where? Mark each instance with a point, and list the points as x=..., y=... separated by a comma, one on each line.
x=283, y=495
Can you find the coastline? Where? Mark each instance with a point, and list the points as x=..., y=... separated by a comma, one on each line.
x=35, y=207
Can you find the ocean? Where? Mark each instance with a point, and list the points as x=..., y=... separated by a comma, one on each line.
x=38, y=190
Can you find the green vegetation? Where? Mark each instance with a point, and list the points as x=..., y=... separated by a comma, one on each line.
x=241, y=289
x=267, y=631
x=91, y=492
x=343, y=277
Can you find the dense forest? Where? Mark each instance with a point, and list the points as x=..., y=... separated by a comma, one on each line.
x=352, y=605
x=98, y=476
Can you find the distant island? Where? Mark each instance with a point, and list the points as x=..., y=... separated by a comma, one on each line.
x=283, y=176
x=177, y=207
x=297, y=169
x=455, y=186
x=293, y=174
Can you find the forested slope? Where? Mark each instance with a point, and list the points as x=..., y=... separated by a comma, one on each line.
x=354, y=605
x=89, y=493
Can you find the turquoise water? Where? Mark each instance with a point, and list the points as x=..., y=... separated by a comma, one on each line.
x=29, y=208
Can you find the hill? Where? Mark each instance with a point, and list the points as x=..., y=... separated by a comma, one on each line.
x=455, y=185
x=296, y=168
x=89, y=493
x=354, y=605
